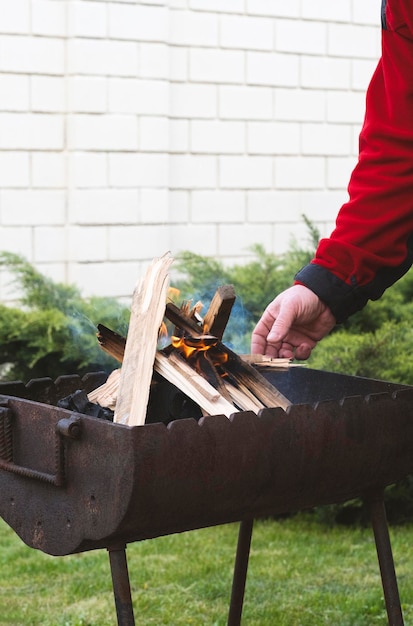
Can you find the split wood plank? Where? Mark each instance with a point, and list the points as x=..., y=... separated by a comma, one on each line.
x=186, y=379
x=106, y=395
x=264, y=362
x=180, y=320
x=112, y=343
x=147, y=312
x=243, y=398
x=217, y=316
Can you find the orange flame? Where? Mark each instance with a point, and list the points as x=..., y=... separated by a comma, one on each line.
x=191, y=346
x=163, y=331
x=179, y=344
x=173, y=294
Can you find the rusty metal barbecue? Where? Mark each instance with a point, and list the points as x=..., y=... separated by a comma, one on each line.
x=71, y=483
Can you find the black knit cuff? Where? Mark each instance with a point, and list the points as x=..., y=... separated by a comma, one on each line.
x=342, y=299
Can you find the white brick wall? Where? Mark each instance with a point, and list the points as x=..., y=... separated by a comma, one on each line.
x=130, y=128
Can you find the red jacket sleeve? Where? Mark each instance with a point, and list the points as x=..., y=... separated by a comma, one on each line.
x=372, y=244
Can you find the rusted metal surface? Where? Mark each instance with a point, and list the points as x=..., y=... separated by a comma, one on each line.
x=49, y=391
x=121, y=586
x=385, y=557
x=163, y=479
x=71, y=483
x=240, y=572
x=57, y=518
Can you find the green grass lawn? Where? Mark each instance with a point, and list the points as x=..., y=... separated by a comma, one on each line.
x=301, y=573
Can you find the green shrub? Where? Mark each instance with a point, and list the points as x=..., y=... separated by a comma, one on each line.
x=381, y=354
x=375, y=342
x=53, y=332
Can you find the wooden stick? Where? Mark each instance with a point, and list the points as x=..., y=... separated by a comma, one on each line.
x=179, y=319
x=182, y=375
x=258, y=359
x=218, y=381
x=111, y=342
x=106, y=395
x=267, y=362
x=217, y=316
x=254, y=381
x=243, y=398
x=147, y=312
x=264, y=391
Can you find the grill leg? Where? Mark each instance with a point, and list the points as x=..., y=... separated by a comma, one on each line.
x=121, y=586
x=240, y=572
x=385, y=557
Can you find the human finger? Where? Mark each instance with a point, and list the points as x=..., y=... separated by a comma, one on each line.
x=260, y=333
x=303, y=351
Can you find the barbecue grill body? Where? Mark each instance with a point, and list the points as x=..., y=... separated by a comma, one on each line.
x=105, y=484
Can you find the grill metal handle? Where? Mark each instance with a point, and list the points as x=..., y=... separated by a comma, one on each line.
x=67, y=427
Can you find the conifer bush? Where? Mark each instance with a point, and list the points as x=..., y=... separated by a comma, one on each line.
x=52, y=331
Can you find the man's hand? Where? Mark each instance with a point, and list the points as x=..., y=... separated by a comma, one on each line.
x=292, y=324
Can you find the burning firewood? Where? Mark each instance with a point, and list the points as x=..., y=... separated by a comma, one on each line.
x=219, y=311
x=173, y=368
x=200, y=365
x=233, y=364
x=178, y=372
x=111, y=342
x=244, y=398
